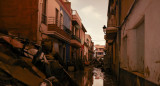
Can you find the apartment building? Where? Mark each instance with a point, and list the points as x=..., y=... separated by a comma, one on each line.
x=99, y=51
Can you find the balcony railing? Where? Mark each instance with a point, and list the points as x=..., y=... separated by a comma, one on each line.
x=53, y=20
x=44, y=19
x=76, y=38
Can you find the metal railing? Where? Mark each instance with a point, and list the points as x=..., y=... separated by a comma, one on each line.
x=76, y=38
x=53, y=20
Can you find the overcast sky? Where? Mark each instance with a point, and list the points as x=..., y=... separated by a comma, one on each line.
x=94, y=15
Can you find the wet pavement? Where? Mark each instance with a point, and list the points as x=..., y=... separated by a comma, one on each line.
x=92, y=77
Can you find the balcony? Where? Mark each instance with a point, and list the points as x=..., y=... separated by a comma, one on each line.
x=76, y=38
x=76, y=18
x=111, y=33
x=76, y=42
x=55, y=29
x=54, y=23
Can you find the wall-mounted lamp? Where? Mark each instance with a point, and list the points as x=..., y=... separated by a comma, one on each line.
x=104, y=29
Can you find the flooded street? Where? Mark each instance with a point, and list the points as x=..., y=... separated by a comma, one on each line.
x=92, y=77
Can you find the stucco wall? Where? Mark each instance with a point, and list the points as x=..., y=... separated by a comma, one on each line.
x=51, y=10
x=147, y=10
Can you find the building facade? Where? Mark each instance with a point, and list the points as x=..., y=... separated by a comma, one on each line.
x=76, y=41
x=99, y=51
x=88, y=48
x=42, y=21
x=131, y=34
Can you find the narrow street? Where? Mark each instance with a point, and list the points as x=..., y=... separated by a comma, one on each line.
x=92, y=76
x=79, y=43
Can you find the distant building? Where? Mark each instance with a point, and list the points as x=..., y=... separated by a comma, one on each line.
x=99, y=51
x=88, y=48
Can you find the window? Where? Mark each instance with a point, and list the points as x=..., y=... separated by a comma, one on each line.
x=44, y=18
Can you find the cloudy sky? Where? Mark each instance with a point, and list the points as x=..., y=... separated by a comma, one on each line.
x=94, y=15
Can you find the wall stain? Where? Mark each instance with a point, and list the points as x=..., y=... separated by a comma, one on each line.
x=147, y=71
x=157, y=62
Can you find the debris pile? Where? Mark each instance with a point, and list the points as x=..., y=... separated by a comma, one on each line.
x=25, y=63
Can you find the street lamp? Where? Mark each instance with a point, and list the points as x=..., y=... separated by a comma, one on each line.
x=104, y=29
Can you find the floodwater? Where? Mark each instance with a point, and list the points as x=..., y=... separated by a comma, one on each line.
x=92, y=77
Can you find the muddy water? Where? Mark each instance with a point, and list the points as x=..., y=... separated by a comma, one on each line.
x=92, y=77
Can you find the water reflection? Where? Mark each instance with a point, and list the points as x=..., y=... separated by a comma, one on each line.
x=92, y=77
x=98, y=77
